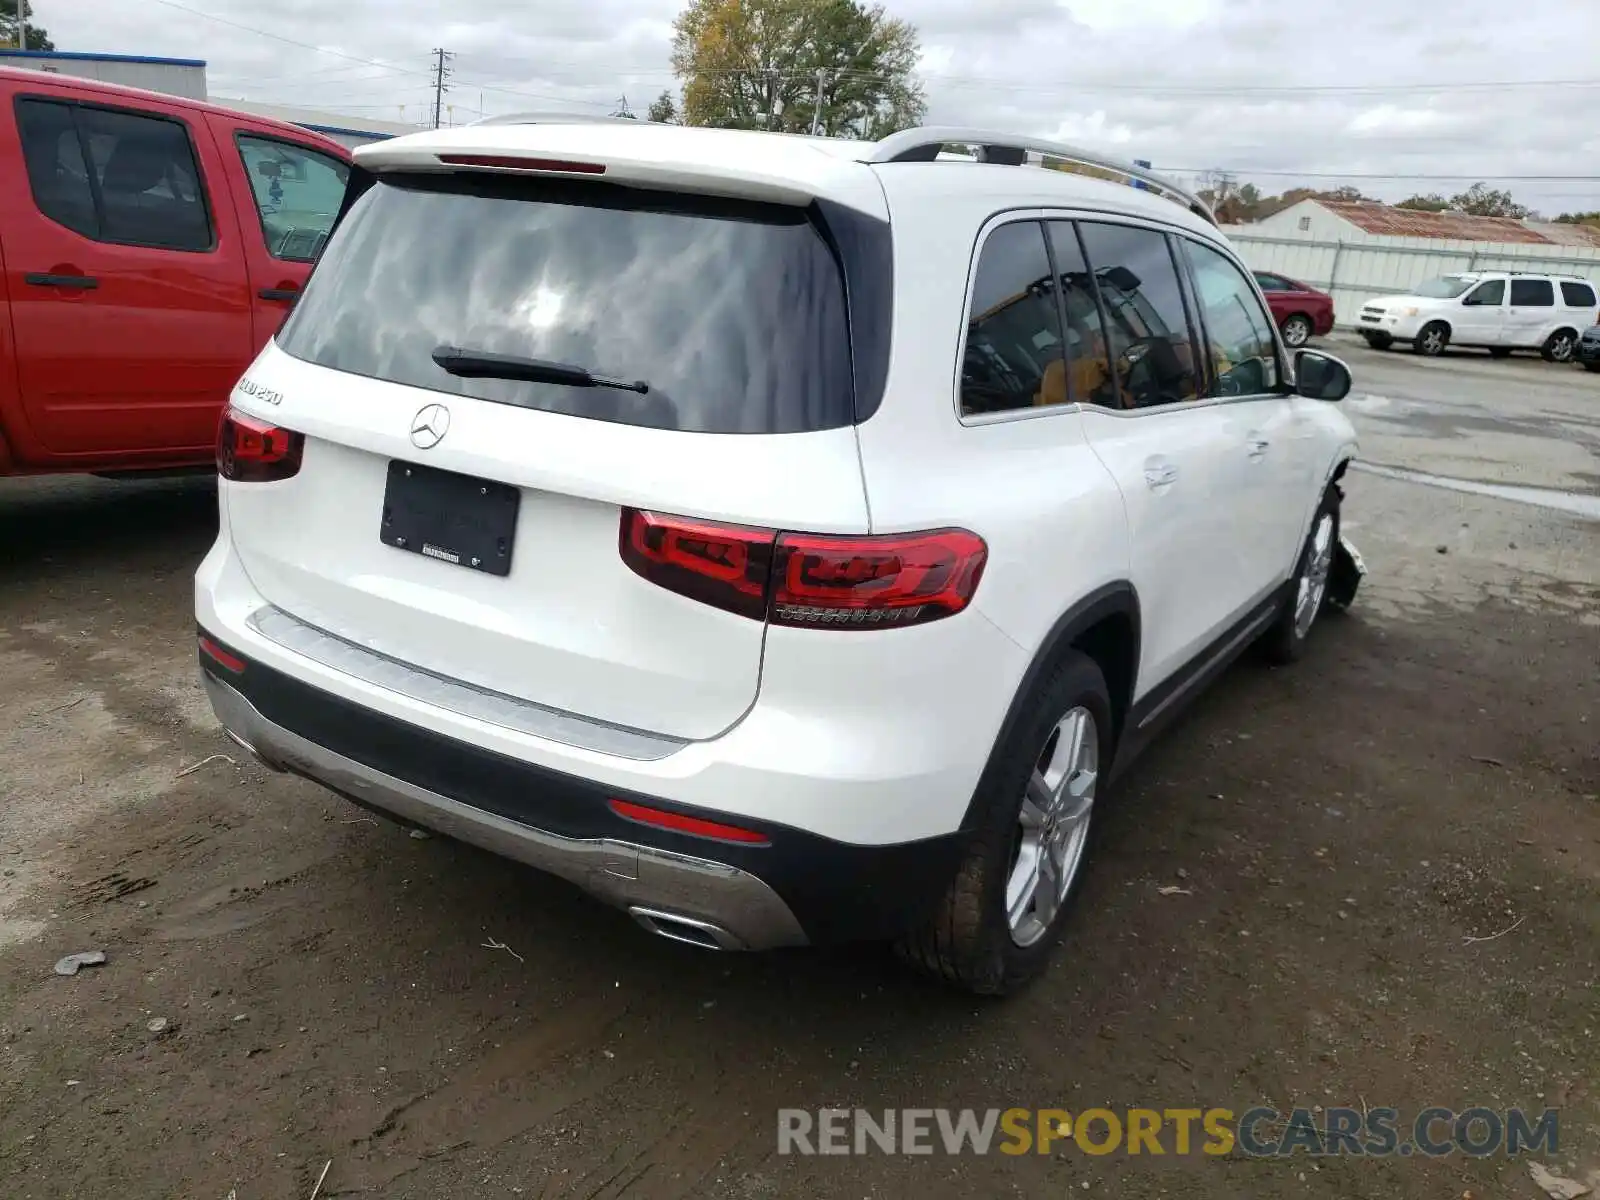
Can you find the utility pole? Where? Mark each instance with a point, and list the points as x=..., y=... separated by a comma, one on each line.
x=822, y=93
x=22, y=24
x=441, y=72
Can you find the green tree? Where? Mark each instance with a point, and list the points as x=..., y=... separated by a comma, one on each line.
x=1579, y=218
x=1481, y=200
x=839, y=66
x=1432, y=202
x=38, y=39
x=664, y=110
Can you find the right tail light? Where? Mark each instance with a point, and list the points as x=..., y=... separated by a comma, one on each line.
x=805, y=580
x=250, y=450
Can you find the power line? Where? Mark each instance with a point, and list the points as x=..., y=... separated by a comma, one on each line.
x=371, y=62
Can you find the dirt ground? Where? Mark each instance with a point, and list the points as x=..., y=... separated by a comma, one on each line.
x=1388, y=859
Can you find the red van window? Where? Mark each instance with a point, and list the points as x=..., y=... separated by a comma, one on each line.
x=115, y=176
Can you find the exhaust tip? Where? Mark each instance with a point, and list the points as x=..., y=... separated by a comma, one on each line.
x=690, y=930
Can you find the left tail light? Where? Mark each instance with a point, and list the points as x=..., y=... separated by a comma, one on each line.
x=250, y=450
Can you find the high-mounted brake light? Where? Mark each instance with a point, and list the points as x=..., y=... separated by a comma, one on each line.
x=807, y=580
x=250, y=450
x=509, y=162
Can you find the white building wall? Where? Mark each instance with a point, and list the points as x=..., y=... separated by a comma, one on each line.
x=1356, y=266
x=175, y=77
x=1307, y=219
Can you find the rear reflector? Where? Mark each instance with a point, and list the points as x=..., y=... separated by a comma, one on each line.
x=250, y=450
x=807, y=580
x=679, y=823
x=505, y=162
x=223, y=658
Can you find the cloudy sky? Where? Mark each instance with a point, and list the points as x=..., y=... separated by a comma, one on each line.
x=1380, y=93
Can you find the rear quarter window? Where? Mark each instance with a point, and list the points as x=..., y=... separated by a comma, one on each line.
x=1577, y=295
x=733, y=313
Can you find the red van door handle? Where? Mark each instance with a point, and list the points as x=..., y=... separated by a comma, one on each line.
x=44, y=279
x=279, y=293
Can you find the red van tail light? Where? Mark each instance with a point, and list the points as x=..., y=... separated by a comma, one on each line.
x=250, y=450
x=807, y=580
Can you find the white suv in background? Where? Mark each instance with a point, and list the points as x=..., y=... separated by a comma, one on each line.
x=784, y=539
x=1498, y=311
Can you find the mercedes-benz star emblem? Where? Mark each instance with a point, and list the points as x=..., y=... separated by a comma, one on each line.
x=429, y=426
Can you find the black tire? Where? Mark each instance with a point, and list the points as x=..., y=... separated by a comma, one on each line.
x=1378, y=341
x=1431, y=339
x=1297, y=331
x=968, y=941
x=1285, y=640
x=1560, y=346
x=1499, y=352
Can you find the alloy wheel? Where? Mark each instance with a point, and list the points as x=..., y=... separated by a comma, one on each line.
x=1314, y=579
x=1053, y=826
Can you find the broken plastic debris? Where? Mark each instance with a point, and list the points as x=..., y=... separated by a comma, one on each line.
x=1558, y=1187
x=84, y=958
x=156, y=1025
x=421, y=835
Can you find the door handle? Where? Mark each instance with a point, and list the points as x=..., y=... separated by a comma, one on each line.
x=279, y=293
x=1160, y=474
x=45, y=279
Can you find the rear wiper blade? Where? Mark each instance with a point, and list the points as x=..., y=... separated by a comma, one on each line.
x=481, y=364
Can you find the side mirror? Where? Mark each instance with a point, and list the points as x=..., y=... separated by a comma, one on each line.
x=1320, y=376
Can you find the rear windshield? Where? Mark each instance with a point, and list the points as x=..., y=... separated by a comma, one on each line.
x=733, y=313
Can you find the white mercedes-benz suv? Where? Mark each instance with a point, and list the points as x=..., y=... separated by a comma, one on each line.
x=784, y=539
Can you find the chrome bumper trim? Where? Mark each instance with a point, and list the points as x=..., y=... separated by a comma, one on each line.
x=622, y=874
x=452, y=695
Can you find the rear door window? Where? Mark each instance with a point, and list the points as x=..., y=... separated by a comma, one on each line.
x=1152, y=352
x=53, y=157
x=136, y=171
x=1577, y=295
x=1532, y=293
x=731, y=313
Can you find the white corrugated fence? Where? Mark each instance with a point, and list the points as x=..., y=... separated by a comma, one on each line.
x=1359, y=266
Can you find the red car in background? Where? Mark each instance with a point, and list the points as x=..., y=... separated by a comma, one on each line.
x=149, y=246
x=1302, y=312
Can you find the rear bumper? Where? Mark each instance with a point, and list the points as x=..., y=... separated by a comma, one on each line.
x=797, y=888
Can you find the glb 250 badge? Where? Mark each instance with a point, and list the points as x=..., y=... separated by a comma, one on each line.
x=250, y=387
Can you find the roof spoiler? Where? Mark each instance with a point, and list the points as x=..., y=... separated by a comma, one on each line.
x=1010, y=149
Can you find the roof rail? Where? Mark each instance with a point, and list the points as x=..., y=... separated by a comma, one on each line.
x=556, y=118
x=924, y=144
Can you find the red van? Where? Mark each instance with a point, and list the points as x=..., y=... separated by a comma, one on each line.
x=149, y=246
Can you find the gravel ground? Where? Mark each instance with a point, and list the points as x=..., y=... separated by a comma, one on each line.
x=1387, y=861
